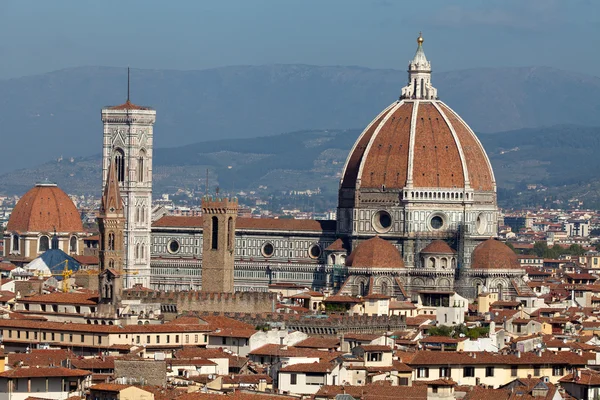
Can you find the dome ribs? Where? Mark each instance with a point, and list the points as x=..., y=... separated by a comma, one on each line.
x=387, y=158
x=437, y=162
x=356, y=156
x=43, y=209
x=478, y=166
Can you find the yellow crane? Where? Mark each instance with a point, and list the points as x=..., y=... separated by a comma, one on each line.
x=65, y=273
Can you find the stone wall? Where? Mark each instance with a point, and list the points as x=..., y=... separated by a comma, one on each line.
x=146, y=372
x=29, y=287
x=256, y=302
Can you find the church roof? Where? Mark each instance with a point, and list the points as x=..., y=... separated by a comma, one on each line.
x=338, y=245
x=45, y=208
x=128, y=105
x=275, y=224
x=438, y=247
x=493, y=254
x=418, y=141
x=111, y=199
x=375, y=253
x=52, y=261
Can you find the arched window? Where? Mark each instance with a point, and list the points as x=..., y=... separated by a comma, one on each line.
x=230, y=233
x=384, y=288
x=73, y=244
x=143, y=214
x=137, y=214
x=141, y=167
x=15, y=242
x=499, y=291
x=137, y=251
x=44, y=243
x=120, y=164
x=111, y=241
x=422, y=89
x=215, y=233
x=362, y=289
x=111, y=264
x=142, y=251
x=431, y=262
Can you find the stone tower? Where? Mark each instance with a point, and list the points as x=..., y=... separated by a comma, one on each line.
x=219, y=216
x=128, y=137
x=111, y=223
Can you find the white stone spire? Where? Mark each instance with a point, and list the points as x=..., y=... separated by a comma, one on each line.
x=419, y=77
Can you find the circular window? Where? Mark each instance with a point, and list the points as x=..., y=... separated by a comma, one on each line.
x=382, y=221
x=314, y=251
x=437, y=222
x=173, y=246
x=268, y=250
x=480, y=224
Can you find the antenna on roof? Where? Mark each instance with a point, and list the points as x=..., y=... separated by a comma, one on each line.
x=128, y=84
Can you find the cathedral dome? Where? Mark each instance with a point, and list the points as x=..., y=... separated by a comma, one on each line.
x=493, y=254
x=375, y=253
x=438, y=247
x=418, y=142
x=45, y=208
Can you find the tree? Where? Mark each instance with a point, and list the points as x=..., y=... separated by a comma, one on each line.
x=576, y=250
x=540, y=249
x=441, y=330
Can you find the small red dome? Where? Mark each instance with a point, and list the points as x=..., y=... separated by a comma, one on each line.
x=376, y=253
x=493, y=254
x=438, y=247
x=45, y=208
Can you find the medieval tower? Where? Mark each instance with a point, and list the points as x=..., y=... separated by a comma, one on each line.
x=128, y=133
x=111, y=223
x=219, y=216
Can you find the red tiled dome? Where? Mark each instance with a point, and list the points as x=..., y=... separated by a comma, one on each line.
x=45, y=208
x=439, y=143
x=438, y=247
x=377, y=253
x=493, y=254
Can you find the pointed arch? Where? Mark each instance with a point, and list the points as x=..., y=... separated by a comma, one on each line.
x=141, y=167
x=119, y=157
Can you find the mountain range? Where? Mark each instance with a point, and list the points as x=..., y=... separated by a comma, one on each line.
x=559, y=162
x=45, y=116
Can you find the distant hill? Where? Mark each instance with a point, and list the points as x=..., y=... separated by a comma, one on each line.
x=561, y=159
x=58, y=113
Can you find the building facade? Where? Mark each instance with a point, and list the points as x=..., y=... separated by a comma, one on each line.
x=417, y=179
x=128, y=138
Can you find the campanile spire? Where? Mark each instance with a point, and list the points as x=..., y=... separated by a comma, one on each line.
x=419, y=76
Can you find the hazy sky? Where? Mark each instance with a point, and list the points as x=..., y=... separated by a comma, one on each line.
x=41, y=36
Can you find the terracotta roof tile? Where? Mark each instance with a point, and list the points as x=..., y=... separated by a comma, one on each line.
x=377, y=253
x=128, y=105
x=276, y=224
x=493, y=254
x=40, y=372
x=438, y=247
x=45, y=208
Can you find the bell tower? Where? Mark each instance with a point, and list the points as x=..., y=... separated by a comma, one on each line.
x=219, y=216
x=111, y=223
x=128, y=142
